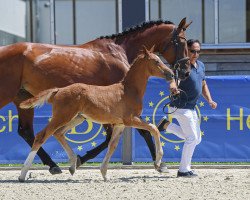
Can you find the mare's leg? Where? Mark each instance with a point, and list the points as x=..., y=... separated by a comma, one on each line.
x=25, y=130
x=138, y=123
x=94, y=152
x=149, y=140
x=117, y=130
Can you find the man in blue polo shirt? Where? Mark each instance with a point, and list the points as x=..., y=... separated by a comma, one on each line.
x=189, y=126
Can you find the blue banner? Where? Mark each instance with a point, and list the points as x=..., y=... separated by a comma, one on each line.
x=225, y=131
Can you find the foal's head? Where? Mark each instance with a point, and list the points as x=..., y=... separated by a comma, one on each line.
x=154, y=66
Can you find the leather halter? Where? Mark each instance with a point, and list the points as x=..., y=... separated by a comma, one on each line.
x=177, y=63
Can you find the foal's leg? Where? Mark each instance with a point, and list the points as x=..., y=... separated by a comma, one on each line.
x=117, y=130
x=138, y=123
x=94, y=152
x=149, y=140
x=40, y=138
x=55, y=124
x=25, y=130
x=72, y=156
x=59, y=134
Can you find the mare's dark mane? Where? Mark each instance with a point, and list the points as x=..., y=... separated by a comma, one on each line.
x=139, y=27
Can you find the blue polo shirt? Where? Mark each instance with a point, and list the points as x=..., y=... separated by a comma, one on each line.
x=192, y=87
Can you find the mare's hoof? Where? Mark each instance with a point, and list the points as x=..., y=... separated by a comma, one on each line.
x=21, y=180
x=55, y=170
x=162, y=168
x=72, y=170
x=78, y=162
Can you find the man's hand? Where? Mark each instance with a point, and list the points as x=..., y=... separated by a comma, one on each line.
x=174, y=91
x=173, y=88
x=212, y=104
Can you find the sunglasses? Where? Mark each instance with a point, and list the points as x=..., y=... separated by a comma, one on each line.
x=194, y=51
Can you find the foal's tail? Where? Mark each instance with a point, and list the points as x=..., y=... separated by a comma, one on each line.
x=40, y=99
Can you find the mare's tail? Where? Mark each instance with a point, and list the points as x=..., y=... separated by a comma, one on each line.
x=39, y=99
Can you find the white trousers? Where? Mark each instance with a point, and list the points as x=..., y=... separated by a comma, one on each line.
x=189, y=130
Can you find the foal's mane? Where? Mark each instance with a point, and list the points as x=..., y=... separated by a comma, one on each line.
x=133, y=29
x=141, y=55
x=133, y=65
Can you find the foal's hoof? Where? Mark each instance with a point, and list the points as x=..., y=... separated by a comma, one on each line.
x=105, y=179
x=78, y=162
x=21, y=180
x=72, y=170
x=104, y=174
x=55, y=170
x=162, y=168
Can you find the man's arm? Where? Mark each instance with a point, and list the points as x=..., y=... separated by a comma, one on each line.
x=206, y=94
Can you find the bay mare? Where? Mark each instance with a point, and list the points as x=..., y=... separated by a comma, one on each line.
x=29, y=68
x=119, y=104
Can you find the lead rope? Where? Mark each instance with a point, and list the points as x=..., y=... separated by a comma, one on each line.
x=176, y=97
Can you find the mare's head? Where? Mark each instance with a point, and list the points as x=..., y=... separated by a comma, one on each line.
x=175, y=50
x=154, y=66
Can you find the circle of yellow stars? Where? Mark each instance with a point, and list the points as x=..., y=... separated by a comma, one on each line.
x=177, y=147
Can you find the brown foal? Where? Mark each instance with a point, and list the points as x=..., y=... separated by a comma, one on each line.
x=119, y=104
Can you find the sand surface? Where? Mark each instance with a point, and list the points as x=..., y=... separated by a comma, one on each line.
x=127, y=184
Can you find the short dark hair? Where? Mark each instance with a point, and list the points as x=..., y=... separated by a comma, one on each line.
x=192, y=41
